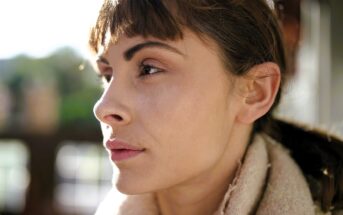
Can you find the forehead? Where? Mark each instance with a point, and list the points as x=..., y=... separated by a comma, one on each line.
x=190, y=42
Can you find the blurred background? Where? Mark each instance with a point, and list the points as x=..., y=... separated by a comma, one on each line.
x=51, y=157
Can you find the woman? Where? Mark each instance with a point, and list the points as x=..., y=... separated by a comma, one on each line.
x=189, y=88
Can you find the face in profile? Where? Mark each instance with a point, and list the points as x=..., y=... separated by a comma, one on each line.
x=171, y=105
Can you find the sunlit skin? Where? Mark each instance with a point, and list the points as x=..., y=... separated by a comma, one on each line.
x=176, y=100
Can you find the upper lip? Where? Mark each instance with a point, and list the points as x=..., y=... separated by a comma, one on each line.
x=117, y=144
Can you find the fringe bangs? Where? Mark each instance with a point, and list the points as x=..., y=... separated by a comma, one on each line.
x=132, y=18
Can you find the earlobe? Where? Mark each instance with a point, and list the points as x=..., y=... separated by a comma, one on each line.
x=261, y=86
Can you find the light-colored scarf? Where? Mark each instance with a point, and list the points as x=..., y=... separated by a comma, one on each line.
x=268, y=182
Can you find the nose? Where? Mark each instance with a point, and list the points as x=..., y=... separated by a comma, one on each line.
x=110, y=109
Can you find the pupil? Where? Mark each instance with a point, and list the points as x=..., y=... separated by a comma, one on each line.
x=147, y=69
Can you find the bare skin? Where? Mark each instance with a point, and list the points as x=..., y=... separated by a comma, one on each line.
x=176, y=100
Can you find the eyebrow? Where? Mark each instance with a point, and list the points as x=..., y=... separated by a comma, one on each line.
x=129, y=54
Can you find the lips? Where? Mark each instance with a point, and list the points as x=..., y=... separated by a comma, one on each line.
x=120, y=151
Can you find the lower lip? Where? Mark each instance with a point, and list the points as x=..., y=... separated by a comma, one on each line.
x=124, y=154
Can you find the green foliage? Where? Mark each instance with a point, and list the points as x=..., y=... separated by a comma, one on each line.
x=77, y=107
x=72, y=76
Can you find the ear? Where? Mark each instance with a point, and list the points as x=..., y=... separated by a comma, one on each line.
x=259, y=88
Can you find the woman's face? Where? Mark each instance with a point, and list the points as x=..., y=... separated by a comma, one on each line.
x=173, y=99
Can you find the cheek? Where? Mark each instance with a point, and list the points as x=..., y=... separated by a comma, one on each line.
x=189, y=126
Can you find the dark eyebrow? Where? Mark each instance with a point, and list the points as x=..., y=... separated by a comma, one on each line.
x=128, y=54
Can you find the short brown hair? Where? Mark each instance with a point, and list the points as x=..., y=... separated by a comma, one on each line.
x=246, y=31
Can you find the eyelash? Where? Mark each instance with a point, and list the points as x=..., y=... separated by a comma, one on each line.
x=104, y=79
x=143, y=73
x=144, y=69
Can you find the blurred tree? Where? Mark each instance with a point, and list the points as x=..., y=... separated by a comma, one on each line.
x=72, y=76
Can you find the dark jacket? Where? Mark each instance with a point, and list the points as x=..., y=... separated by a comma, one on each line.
x=320, y=156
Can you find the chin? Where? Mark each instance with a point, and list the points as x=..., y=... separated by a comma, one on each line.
x=131, y=187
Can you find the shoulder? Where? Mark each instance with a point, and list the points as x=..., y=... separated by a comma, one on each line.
x=319, y=156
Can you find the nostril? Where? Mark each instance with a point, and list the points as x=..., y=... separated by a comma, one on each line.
x=117, y=117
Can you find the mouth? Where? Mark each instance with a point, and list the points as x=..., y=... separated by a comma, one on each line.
x=124, y=154
x=120, y=151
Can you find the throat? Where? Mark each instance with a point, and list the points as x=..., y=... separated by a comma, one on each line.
x=205, y=206
x=203, y=194
x=201, y=198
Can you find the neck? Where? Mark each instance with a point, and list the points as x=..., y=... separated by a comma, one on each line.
x=203, y=194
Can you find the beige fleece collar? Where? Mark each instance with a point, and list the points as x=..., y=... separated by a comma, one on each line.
x=269, y=182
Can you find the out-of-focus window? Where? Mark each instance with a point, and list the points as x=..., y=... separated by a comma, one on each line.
x=14, y=176
x=83, y=177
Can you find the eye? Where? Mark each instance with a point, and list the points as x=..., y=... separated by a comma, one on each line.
x=105, y=71
x=147, y=69
x=106, y=78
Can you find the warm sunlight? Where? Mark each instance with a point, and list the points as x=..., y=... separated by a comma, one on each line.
x=38, y=27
